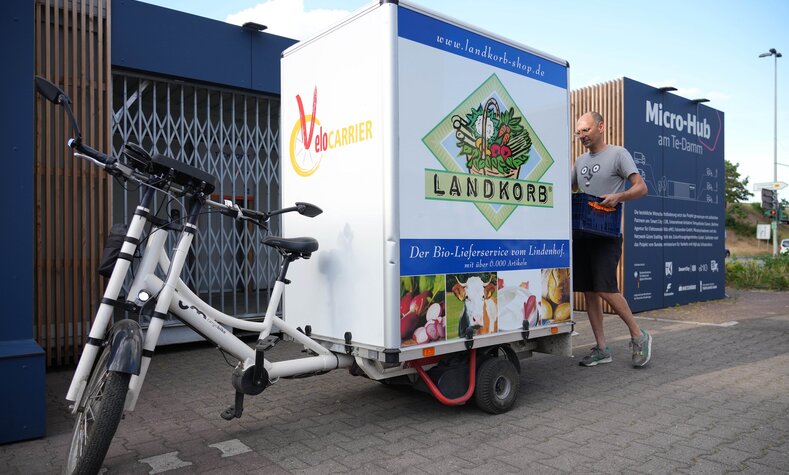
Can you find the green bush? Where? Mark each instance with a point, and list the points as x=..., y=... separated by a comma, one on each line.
x=735, y=217
x=738, y=227
x=770, y=273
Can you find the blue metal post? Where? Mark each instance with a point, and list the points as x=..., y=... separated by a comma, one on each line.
x=22, y=362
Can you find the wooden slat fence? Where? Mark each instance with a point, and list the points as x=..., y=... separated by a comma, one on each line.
x=72, y=198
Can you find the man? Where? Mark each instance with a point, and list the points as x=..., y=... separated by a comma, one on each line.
x=603, y=171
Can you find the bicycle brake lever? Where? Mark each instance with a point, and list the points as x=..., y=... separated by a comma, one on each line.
x=113, y=169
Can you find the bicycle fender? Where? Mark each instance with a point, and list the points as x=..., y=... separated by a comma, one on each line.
x=125, y=347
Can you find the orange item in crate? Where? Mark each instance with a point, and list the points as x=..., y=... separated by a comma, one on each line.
x=600, y=207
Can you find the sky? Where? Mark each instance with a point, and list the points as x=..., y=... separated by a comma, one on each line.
x=704, y=48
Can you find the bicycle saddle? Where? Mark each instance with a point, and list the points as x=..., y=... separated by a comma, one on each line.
x=303, y=246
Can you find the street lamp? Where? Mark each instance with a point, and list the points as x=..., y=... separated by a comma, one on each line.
x=251, y=25
x=774, y=52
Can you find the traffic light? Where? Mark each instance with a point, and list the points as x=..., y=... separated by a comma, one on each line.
x=772, y=213
x=768, y=199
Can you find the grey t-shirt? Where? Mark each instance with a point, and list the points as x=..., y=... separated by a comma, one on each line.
x=604, y=172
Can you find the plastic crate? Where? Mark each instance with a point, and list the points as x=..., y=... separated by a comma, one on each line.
x=590, y=220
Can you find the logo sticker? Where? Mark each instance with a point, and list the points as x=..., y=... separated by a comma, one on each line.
x=310, y=142
x=491, y=156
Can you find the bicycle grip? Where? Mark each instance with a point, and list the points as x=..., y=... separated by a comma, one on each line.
x=89, y=151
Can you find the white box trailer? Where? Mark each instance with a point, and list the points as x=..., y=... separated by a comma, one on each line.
x=440, y=156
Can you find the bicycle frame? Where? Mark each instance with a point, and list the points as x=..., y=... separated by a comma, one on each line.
x=174, y=295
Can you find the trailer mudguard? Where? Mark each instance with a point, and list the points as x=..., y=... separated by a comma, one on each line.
x=125, y=347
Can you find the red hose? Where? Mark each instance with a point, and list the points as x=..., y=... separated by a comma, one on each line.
x=472, y=382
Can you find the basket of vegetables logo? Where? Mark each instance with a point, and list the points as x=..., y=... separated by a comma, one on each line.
x=486, y=136
x=494, y=143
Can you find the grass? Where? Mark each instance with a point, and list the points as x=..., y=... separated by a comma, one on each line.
x=771, y=273
x=739, y=227
x=760, y=270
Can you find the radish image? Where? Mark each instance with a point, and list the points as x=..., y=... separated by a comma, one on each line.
x=405, y=303
x=408, y=324
x=432, y=330
x=433, y=311
x=420, y=336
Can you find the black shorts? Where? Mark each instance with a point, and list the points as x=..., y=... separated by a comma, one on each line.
x=595, y=261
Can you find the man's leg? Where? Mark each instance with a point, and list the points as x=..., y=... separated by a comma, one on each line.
x=594, y=308
x=619, y=304
x=599, y=353
x=640, y=341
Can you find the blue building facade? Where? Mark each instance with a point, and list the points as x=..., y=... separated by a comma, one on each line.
x=146, y=40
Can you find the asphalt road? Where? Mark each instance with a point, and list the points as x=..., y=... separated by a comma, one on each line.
x=714, y=399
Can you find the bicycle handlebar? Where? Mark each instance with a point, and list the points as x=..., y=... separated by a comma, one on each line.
x=114, y=167
x=232, y=210
x=228, y=208
x=91, y=152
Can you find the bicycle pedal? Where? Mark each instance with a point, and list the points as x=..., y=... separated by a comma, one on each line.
x=234, y=411
x=229, y=414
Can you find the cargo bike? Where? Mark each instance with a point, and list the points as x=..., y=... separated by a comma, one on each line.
x=445, y=249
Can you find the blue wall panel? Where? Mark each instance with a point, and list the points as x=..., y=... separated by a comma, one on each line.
x=675, y=241
x=163, y=41
x=21, y=359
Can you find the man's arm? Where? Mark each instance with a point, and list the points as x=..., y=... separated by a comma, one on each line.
x=638, y=189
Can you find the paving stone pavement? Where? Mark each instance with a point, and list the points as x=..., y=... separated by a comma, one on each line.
x=714, y=399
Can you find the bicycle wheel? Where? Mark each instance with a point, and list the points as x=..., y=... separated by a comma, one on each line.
x=98, y=414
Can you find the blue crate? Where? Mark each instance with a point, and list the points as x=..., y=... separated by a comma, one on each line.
x=589, y=220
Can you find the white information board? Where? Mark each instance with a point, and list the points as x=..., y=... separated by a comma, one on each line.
x=763, y=232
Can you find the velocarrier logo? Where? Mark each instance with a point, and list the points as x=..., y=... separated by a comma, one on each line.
x=310, y=141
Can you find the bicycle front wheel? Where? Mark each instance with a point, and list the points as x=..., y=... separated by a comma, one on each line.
x=98, y=414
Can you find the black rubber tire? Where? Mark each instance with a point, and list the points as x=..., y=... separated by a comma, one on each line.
x=498, y=383
x=100, y=411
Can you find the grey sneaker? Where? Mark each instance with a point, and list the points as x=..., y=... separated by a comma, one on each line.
x=596, y=356
x=642, y=349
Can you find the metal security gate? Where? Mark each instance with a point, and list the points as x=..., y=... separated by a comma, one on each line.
x=230, y=134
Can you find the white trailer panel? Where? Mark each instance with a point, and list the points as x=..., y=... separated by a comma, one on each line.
x=440, y=156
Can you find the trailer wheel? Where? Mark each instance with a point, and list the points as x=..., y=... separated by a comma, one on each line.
x=498, y=384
